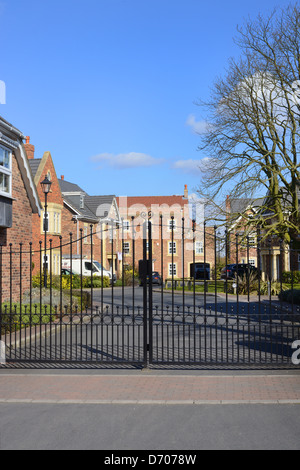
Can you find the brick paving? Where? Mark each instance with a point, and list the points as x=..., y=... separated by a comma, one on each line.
x=155, y=389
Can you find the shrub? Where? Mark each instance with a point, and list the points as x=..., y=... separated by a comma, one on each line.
x=288, y=276
x=65, y=281
x=290, y=296
x=245, y=284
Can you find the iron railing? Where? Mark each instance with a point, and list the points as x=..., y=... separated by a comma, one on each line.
x=185, y=316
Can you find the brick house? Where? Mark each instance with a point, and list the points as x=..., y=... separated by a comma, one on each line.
x=19, y=203
x=89, y=217
x=274, y=256
x=72, y=214
x=169, y=248
x=41, y=167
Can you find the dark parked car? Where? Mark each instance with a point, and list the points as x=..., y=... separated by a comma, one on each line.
x=156, y=279
x=231, y=271
x=66, y=272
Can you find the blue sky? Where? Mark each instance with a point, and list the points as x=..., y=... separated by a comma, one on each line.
x=110, y=87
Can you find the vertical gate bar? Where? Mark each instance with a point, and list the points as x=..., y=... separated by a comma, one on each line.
x=133, y=287
x=60, y=280
x=270, y=277
x=92, y=273
x=20, y=286
x=172, y=261
x=145, y=301
x=183, y=289
x=102, y=291
x=280, y=274
x=215, y=251
x=205, y=274
x=50, y=313
x=112, y=268
x=292, y=274
x=248, y=275
x=259, y=270
x=226, y=263
x=123, y=282
x=237, y=263
x=92, y=289
x=10, y=277
x=150, y=294
x=112, y=288
x=194, y=269
x=101, y=260
x=20, y=274
x=162, y=285
x=194, y=288
x=71, y=292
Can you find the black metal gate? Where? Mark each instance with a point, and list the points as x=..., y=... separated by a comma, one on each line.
x=141, y=319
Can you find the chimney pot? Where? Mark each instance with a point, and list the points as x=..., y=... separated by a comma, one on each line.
x=62, y=177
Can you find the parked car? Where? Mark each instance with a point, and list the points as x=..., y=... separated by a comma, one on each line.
x=232, y=271
x=156, y=279
x=66, y=272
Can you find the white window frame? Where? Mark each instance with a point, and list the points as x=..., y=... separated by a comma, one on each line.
x=126, y=225
x=199, y=248
x=172, y=223
x=7, y=172
x=56, y=220
x=172, y=250
x=172, y=269
x=126, y=248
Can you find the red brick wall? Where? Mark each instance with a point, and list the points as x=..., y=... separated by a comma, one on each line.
x=21, y=232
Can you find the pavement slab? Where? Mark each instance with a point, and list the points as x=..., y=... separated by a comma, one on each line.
x=150, y=389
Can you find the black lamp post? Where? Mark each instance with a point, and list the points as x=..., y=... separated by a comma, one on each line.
x=46, y=185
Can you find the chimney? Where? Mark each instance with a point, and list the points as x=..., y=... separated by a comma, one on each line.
x=186, y=192
x=62, y=177
x=29, y=149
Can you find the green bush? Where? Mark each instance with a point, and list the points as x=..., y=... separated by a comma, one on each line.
x=290, y=296
x=86, y=298
x=288, y=276
x=64, y=281
x=19, y=318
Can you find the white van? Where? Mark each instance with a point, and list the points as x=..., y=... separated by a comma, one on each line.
x=88, y=267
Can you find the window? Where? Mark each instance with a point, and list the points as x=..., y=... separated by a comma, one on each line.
x=172, y=248
x=199, y=248
x=172, y=224
x=126, y=225
x=56, y=225
x=126, y=248
x=56, y=264
x=5, y=172
x=172, y=269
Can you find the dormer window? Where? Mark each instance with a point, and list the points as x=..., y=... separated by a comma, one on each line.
x=81, y=202
x=5, y=172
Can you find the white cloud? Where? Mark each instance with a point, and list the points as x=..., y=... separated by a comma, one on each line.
x=191, y=166
x=127, y=160
x=199, y=127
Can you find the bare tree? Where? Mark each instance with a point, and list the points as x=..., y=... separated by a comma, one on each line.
x=253, y=134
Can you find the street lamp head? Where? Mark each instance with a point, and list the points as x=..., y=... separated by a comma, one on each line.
x=46, y=185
